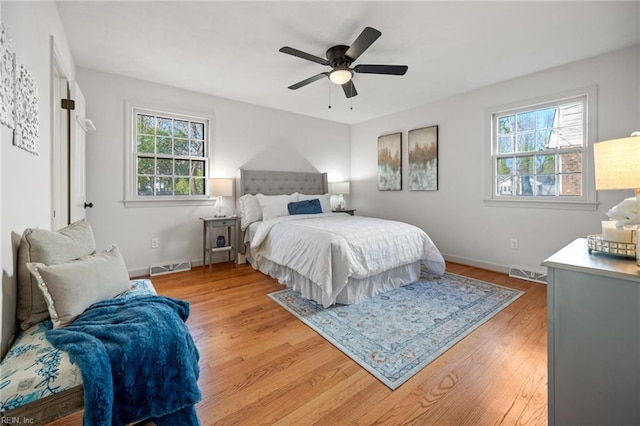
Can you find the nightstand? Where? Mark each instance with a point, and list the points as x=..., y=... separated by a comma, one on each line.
x=210, y=226
x=347, y=211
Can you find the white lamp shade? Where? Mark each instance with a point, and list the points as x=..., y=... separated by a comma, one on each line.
x=617, y=163
x=221, y=187
x=339, y=188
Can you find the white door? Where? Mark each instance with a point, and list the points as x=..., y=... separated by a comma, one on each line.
x=60, y=147
x=77, y=161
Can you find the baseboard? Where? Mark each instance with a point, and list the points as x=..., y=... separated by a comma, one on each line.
x=144, y=272
x=170, y=268
x=138, y=272
x=493, y=266
x=476, y=263
x=538, y=275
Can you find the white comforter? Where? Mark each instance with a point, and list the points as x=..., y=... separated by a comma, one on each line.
x=329, y=248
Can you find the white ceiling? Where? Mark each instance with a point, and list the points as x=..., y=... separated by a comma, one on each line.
x=230, y=49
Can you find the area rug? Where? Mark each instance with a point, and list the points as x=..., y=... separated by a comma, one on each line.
x=396, y=334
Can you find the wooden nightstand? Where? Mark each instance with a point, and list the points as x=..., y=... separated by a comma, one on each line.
x=210, y=224
x=347, y=211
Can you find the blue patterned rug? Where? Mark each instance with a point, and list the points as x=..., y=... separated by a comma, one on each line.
x=396, y=334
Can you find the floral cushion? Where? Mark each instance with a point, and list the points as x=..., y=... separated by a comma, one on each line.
x=34, y=369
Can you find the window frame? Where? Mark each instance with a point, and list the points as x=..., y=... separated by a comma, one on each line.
x=131, y=197
x=588, y=199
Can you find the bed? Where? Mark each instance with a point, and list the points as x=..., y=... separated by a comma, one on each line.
x=329, y=257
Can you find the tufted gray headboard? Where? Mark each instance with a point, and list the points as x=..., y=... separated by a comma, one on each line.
x=275, y=183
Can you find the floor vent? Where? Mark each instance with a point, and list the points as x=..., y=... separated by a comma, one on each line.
x=528, y=274
x=169, y=268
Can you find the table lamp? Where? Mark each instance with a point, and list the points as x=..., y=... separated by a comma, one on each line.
x=617, y=163
x=617, y=166
x=221, y=187
x=340, y=189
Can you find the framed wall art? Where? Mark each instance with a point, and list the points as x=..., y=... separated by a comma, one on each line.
x=25, y=135
x=7, y=79
x=18, y=97
x=423, y=159
x=390, y=162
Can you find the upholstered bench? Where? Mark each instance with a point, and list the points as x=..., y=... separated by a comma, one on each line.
x=118, y=332
x=37, y=381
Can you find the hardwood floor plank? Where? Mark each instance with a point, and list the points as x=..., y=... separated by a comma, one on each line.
x=305, y=386
x=261, y=365
x=310, y=411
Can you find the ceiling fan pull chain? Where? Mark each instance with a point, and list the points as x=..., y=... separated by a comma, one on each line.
x=351, y=98
x=329, y=86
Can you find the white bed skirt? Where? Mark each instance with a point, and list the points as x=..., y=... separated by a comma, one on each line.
x=356, y=290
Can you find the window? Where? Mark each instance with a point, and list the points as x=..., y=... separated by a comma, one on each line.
x=169, y=156
x=541, y=153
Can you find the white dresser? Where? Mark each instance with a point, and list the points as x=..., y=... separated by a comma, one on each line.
x=594, y=338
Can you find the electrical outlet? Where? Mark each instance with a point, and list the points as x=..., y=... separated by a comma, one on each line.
x=155, y=243
x=514, y=244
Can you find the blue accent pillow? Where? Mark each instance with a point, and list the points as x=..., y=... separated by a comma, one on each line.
x=305, y=207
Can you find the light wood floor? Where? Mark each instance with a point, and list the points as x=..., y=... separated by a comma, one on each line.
x=260, y=365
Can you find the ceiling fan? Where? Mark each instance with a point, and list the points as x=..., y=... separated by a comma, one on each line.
x=340, y=58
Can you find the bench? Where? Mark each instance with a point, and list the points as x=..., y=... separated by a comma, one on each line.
x=38, y=383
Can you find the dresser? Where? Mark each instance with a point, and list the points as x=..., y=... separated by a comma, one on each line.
x=593, y=338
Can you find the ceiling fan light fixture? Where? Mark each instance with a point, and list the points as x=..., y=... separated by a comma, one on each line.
x=340, y=58
x=340, y=75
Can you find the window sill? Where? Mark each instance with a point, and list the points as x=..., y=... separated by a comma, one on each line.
x=169, y=203
x=541, y=204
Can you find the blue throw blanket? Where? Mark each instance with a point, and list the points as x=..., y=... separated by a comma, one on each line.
x=137, y=359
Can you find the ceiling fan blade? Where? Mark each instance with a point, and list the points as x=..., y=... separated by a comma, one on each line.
x=362, y=43
x=308, y=80
x=304, y=55
x=381, y=69
x=349, y=89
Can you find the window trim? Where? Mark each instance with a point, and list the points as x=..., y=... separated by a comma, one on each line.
x=131, y=198
x=588, y=200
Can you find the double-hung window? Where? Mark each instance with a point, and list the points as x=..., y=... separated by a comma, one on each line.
x=168, y=156
x=541, y=152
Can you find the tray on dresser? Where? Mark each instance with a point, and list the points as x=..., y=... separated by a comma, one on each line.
x=597, y=243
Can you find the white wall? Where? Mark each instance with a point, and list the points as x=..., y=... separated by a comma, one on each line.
x=260, y=138
x=244, y=135
x=25, y=179
x=457, y=219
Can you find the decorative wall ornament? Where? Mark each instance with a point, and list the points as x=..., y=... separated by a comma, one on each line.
x=7, y=79
x=423, y=159
x=18, y=97
x=390, y=162
x=25, y=135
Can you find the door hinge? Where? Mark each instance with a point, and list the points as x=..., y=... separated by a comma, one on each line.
x=69, y=104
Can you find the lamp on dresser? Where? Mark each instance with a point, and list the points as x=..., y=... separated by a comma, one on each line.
x=221, y=187
x=617, y=166
x=340, y=189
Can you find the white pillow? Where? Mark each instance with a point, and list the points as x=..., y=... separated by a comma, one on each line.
x=325, y=200
x=276, y=205
x=250, y=210
x=70, y=288
x=39, y=245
